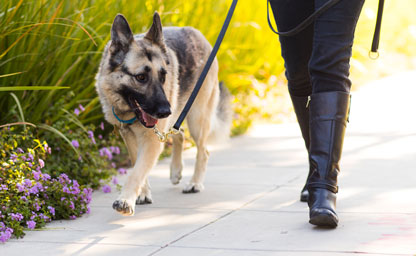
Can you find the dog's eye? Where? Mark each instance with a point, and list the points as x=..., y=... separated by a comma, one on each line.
x=163, y=75
x=142, y=78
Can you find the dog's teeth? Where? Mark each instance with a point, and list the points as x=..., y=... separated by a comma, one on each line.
x=137, y=104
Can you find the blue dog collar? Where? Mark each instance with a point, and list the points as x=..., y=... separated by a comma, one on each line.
x=130, y=121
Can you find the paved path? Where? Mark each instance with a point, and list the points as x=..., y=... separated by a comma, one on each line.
x=250, y=205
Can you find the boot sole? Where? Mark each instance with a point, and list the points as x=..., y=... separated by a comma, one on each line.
x=324, y=220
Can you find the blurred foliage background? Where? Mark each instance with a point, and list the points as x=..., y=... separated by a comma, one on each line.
x=58, y=43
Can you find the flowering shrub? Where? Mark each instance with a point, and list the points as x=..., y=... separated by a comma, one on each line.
x=29, y=196
x=95, y=164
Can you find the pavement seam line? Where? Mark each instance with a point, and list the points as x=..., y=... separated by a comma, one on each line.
x=273, y=250
x=217, y=219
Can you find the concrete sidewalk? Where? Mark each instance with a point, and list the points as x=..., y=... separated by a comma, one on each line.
x=251, y=202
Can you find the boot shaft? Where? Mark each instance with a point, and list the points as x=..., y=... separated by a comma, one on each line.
x=328, y=118
x=302, y=115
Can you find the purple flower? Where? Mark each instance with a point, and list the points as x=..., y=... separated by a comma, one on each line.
x=41, y=163
x=51, y=210
x=23, y=198
x=122, y=170
x=31, y=224
x=34, y=190
x=4, y=236
x=13, y=157
x=63, y=198
x=2, y=226
x=30, y=164
x=102, y=126
x=76, y=111
x=19, y=150
x=115, y=150
x=81, y=108
x=20, y=187
x=36, y=174
x=30, y=157
x=3, y=187
x=106, y=152
x=114, y=180
x=113, y=164
x=90, y=134
x=75, y=190
x=37, y=206
x=88, y=210
x=87, y=195
x=63, y=178
x=49, y=150
x=75, y=143
x=72, y=217
x=100, y=136
x=106, y=189
x=16, y=216
x=66, y=190
x=46, y=177
x=27, y=183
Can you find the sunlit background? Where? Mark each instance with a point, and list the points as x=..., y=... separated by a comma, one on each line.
x=59, y=43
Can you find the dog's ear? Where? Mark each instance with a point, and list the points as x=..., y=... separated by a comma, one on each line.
x=155, y=34
x=121, y=38
x=121, y=35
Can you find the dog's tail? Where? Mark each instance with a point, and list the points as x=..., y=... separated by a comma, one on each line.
x=222, y=119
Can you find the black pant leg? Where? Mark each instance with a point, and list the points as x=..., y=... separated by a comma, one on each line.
x=332, y=46
x=296, y=50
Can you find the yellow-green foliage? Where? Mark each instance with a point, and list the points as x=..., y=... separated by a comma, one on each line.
x=59, y=43
x=397, y=43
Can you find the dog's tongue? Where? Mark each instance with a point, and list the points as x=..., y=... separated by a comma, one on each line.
x=150, y=121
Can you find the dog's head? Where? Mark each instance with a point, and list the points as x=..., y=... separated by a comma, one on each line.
x=135, y=72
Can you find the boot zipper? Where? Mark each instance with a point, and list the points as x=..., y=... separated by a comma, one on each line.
x=309, y=100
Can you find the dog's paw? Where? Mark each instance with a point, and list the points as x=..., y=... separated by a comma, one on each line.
x=175, y=178
x=123, y=207
x=193, y=188
x=176, y=173
x=144, y=198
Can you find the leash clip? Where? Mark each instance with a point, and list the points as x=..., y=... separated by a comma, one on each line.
x=163, y=136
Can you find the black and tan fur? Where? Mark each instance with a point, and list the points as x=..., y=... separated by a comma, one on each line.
x=158, y=70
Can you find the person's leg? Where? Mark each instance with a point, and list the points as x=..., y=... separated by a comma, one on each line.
x=329, y=105
x=297, y=49
x=296, y=52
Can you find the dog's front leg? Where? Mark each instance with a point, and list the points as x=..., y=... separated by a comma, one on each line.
x=149, y=150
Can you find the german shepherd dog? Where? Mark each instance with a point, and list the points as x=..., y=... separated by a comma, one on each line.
x=150, y=76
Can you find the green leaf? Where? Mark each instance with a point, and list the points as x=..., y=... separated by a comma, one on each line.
x=22, y=116
x=31, y=88
x=60, y=134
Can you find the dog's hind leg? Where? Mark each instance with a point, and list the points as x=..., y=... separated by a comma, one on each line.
x=176, y=165
x=149, y=150
x=199, y=127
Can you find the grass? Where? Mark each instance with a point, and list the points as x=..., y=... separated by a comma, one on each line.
x=50, y=50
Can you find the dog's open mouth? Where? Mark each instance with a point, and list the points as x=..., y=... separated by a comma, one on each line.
x=146, y=119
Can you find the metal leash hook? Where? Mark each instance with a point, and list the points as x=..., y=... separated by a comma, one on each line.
x=164, y=136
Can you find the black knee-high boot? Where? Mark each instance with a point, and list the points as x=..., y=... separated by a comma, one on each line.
x=328, y=118
x=302, y=114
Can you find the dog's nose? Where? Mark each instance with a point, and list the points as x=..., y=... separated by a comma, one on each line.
x=163, y=112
